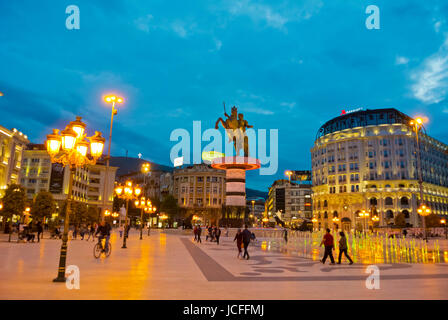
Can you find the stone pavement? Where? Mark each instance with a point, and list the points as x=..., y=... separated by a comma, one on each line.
x=172, y=266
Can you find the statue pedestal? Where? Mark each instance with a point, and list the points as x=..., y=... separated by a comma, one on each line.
x=236, y=168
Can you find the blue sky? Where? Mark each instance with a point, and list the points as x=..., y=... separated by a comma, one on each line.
x=288, y=65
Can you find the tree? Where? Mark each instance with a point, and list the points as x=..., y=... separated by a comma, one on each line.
x=43, y=205
x=92, y=214
x=78, y=213
x=170, y=207
x=400, y=220
x=432, y=221
x=14, y=202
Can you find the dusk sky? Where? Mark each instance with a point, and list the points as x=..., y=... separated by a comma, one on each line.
x=287, y=65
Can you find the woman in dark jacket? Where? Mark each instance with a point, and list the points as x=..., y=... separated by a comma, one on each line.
x=343, y=248
x=239, y=241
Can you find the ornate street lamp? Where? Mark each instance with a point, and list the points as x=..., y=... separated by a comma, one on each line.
x=70, y=148
x=288, y=173
x=127, y=192
x=110, y=99
x=417, y=126
x=144, y=205
x=424, y=211
x=364, y=215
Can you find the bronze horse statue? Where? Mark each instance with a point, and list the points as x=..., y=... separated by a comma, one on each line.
x=235, y=126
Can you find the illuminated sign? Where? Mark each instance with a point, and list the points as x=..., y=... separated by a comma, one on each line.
x=210, y=155
x=178, y=161
x=350, y=111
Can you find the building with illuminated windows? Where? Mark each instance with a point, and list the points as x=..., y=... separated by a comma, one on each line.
x=12, y=144
x=291, y=200
x=39, y=174
x=200, y=190
x=366, y=160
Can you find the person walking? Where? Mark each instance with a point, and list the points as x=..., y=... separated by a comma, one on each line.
x=239, y=242
x=195, y=232
x=217, y=234
x=328, y=243
x=343, y=248
x=40, y=231
x=126, y=232
x=120, y=230
x=199, y=234
x=246, y=240
x=91, y=232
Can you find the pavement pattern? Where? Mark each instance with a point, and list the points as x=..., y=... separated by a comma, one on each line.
x=169, y=265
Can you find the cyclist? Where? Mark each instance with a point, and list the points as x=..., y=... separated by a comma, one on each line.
x=104, y=231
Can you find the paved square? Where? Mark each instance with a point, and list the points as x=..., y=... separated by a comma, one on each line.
x=169, y=265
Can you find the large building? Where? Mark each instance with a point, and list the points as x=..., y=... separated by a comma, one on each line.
x=12, y=144
x=200, y=190
x=366, y=160
x=39, y=174
x=290, y=201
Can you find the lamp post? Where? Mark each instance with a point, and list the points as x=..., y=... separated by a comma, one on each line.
x=265, y=221
x=163, y=217
x=417, y=125
x=115, y=215
x=143, y=205
x=364, y=215
x=424, y=211
x=69, y=148
x=127, y=192
x=288, y=173
x=443, y=221
x=109, y=99
x=314, y=221
x=335, y=221
x=107, y=214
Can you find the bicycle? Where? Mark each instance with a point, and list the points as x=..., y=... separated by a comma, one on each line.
x=98, y=249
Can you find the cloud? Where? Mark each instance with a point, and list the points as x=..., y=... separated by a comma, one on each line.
x=431, y=79
x=179, y=28
x=289, y=105
x=258, y=111
x=143, y=23
x=274, y=17
x=437, y=26
x=401, y=60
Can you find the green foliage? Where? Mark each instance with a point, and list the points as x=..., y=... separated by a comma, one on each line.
x=169, y=206
x=306, y=226
x=400, y=220
x=432, y=221
x=117, y=204
x=14, y=200
x=78, y=213
x=43, y=205
x=92, y=214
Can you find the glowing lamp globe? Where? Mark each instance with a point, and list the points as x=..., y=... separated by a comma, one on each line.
x=54, y=142
x=78, y=126
x=119, y=190
x=96, y=145
x=82, y=147
x=68, y=138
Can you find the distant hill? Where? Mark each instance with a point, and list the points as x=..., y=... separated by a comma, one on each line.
x=252, y=193
x=127, y=165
